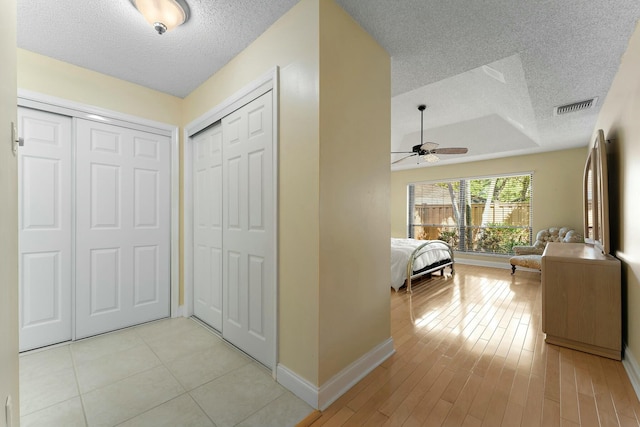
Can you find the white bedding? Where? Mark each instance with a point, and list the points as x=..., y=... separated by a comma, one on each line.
x=401, y=250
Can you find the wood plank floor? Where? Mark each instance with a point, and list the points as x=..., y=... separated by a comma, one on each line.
x=470, y=352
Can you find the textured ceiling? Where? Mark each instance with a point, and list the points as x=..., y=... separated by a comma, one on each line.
x=113, y=38
x=544, y=53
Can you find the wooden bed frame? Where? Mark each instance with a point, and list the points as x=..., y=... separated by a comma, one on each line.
x=438, y=266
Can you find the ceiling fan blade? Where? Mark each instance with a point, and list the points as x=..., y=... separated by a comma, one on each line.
x=405, y=157
x=428, y=146
x=427, y=151
x=451, y=150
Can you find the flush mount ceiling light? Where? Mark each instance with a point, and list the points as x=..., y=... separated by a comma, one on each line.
x=163, y=15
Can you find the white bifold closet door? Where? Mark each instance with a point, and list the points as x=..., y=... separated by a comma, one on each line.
x=207, y=234
x=122, y=227
x=44, y=200
x=234, y=228
x=94, y=230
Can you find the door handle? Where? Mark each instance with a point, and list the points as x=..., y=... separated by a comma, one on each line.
x=16, y=141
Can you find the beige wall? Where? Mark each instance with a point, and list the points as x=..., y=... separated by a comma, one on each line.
x=355, y=100
x=620, y=120
x=557, y=185
x=49, y=76
x=328, y=316
x=8, y=215
x=291, y=43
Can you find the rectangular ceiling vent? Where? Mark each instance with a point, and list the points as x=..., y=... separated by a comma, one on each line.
x=576, y=106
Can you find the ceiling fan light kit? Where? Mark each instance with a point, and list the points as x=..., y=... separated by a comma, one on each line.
x=427, y=150
x=163, y=15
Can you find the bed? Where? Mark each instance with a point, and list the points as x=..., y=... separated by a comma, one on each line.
x=411, y=258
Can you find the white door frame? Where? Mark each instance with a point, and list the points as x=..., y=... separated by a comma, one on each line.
x=260, y=86
x=39, y=101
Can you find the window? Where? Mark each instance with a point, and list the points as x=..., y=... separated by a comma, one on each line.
x=481, y=215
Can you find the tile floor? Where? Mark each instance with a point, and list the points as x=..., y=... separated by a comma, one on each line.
x=172, y=372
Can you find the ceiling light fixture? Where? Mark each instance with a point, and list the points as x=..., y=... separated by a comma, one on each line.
x=163, y=15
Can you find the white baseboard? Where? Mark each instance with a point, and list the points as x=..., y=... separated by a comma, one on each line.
x=349, y=376
x=323, y=396
x=297, y=385
x=633, y=370
x=179, y=312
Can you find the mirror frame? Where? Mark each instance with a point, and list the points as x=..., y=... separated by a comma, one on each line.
x=590, y=199
x=596, y=207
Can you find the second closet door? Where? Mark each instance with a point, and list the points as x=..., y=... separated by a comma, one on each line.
x=248, y=229
x=122, y=227
x=234, y=228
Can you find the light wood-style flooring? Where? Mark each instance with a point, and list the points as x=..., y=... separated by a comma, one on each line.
x=470, y=352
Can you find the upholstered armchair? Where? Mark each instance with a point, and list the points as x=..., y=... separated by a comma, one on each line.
x=531, y=256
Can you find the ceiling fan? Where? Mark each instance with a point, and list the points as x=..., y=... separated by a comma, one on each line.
x=427, y=149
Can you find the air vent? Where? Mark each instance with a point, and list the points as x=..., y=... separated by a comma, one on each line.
x=576, y=106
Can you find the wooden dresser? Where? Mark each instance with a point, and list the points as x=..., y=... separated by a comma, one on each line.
x=581, y=303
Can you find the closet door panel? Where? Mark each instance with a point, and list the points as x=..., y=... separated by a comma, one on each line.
x=105, y=197
x=122, y=227
x=146, y=186
x=44, y=204
x=105, y=281
x=207, y=263
x=146, y=275
x=249, y=229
